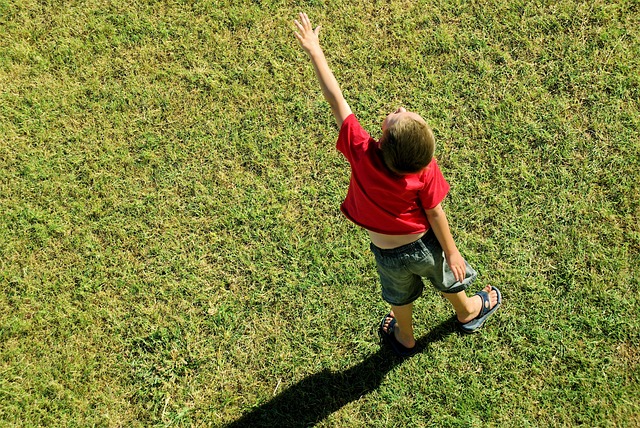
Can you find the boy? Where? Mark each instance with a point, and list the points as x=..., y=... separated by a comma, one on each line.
x=395, y=193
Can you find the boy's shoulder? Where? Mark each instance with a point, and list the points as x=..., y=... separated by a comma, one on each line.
x=350, y=121
x=352, y=134
x=431, y=170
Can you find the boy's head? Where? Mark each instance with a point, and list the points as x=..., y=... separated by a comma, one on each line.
x=407, y=142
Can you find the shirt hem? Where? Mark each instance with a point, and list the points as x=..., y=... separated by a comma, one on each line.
x=384, y=232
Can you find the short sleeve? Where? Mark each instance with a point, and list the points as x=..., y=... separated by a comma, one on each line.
x=352, y=136
x=435, y=187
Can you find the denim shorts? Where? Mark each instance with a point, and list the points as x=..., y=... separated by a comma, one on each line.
x=401, y=270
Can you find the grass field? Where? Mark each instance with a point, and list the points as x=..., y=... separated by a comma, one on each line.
x=171, y=247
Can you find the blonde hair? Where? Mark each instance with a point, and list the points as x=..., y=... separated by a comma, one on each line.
x=407, y=146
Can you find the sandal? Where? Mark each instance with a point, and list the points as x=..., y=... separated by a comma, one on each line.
x=474, y=325
x=389, y=338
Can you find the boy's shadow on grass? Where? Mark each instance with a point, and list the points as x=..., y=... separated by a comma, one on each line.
x=313, y=399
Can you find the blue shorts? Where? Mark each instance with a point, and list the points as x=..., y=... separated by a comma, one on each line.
x=401, y=270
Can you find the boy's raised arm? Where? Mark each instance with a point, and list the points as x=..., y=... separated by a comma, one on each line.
x=308, y=38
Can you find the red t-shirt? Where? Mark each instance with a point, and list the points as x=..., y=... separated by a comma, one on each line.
x=379, y=200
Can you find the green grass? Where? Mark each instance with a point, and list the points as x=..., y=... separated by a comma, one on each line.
x=171, y=248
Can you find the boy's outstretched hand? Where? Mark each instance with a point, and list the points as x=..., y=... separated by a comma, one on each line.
x=308, y=39
x=306, y=35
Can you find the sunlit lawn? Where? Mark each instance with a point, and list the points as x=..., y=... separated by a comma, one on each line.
x=172, y=250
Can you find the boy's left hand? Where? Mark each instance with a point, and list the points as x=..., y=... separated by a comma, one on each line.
x=306, y=35
x=457, y=265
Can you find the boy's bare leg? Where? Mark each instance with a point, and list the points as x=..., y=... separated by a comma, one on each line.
x=467, y=308
x=403, y=329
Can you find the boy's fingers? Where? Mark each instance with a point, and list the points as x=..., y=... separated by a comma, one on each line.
x=457, y=274
x=304, y=24
x=307, y=21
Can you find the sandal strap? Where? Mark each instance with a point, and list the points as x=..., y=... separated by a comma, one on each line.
x=486, y=303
